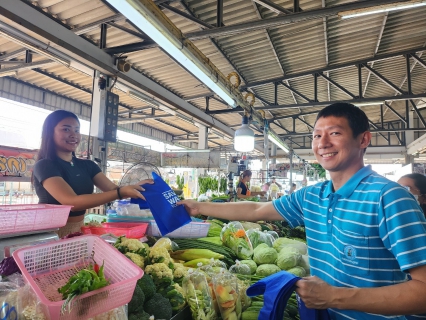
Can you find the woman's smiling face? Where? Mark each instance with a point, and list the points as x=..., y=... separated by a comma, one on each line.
x=67, y=135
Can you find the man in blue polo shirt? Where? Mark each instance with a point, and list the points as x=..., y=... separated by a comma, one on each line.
x=365, y=233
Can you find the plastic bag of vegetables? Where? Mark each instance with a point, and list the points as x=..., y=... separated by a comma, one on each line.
x=234, y=237
x=257, y=237
x=198, y=297
x=225, y=286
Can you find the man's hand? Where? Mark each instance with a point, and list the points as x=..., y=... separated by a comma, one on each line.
x=315, y=293
x=191, y=206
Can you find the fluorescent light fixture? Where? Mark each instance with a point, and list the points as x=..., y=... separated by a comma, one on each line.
x=4, y=33
x=136, y=12
x=363, y=104
x=244, y=137
x=382, y=8
x=8, y=73
x=185, y=118
x=151, y=102
x=278, y=143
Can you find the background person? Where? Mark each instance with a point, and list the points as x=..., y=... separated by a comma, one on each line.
x=416, y=184
x=364, y=232
x=243, y=190
x=61, y=178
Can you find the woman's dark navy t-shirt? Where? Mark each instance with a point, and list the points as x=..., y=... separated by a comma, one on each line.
x=243, y=187
x=79, y=176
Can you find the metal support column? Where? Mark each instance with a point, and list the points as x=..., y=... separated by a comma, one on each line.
x=273, y=153
x=219, y=13
x=276, y=93
x=359, y=80
x=202, y=145
x=316, y=87
x=28, y=56
x=407, y=59
x=102, y=40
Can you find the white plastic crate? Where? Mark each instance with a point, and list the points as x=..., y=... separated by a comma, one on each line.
x=48, y=267
x=31, y=217
x=190, y=230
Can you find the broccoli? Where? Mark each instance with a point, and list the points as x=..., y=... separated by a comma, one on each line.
x=142, y=315
x=147, y=286
x=136, y=258
x=160, y=273
x=174, y=293
x=159, y=307
x=138, y=300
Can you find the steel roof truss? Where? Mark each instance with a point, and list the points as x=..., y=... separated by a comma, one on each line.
x=383, y=79
x=336, y=85
x=419, y=60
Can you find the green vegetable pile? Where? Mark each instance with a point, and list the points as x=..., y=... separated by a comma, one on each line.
x=88, y=279
x=212, y=183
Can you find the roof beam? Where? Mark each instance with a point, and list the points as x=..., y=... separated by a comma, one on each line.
x=186, y=16
x=126, y=48
x=353, y=101
x=286, y=19
x=69, y=45
x=332, y=67
x=419, y=60
x=138, y=119
x=272, y=6
x=26, y=66
x=337, y=85
x=95, y=25
x=295, y=91
x=129, y=31
x=376, y=49
x=383, y=79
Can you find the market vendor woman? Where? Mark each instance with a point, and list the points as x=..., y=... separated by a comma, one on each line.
x=243, y=190
x=61, y=178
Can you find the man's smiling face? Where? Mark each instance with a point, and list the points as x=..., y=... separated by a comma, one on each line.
x=334, y=146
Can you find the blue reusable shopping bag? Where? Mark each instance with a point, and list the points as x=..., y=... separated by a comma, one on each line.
x=276, y=290
x=162, y=203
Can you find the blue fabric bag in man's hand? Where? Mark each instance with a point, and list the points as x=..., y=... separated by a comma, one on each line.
x=162, y=203
x=276, y=290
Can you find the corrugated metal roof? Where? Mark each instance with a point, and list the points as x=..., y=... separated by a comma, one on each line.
x=257, y=55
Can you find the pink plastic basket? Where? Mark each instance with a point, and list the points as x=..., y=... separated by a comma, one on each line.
x=48, y=267
x=130, y=230
x=31, y=217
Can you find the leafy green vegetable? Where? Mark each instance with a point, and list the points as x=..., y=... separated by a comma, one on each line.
x=267, y=269
x=288, y=258
x=263, y=254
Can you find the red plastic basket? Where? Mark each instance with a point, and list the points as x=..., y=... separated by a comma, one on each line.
x=48, y=267
x=31, y=217
x=130, y=230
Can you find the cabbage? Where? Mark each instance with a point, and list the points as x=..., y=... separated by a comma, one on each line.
x=252, y=265
x=285, y=242
x=288, y=258
x=263, y=254
x=265, y=270
x=297, y=271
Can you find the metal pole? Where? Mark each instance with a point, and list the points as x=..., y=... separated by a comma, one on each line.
x=290, y=155
x=219, y=13
x=359, y=80
x=407, y=59
x=315, y=87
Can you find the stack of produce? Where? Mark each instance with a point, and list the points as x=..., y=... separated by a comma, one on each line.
x=158, y=292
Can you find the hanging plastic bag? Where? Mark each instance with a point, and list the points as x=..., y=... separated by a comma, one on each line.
x=197, y=293
x=234, y=237
x=226, y=290
x=162, y=202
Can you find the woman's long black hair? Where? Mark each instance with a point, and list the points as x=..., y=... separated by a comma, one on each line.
x=47, y=147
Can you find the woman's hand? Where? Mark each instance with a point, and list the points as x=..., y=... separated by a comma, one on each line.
x=191, y=206
x=134, y=191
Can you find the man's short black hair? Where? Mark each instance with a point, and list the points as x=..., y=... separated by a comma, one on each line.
x=357, y=119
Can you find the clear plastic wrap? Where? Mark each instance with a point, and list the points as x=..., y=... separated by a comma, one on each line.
x=234, y=237
x=198, y=296
x=240, y=268
x=225, y=286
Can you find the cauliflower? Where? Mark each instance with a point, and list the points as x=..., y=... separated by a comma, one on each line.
x=136, y=258
x=179, y=272
x=160, y=255
x=125, y=245
x=160, y=273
